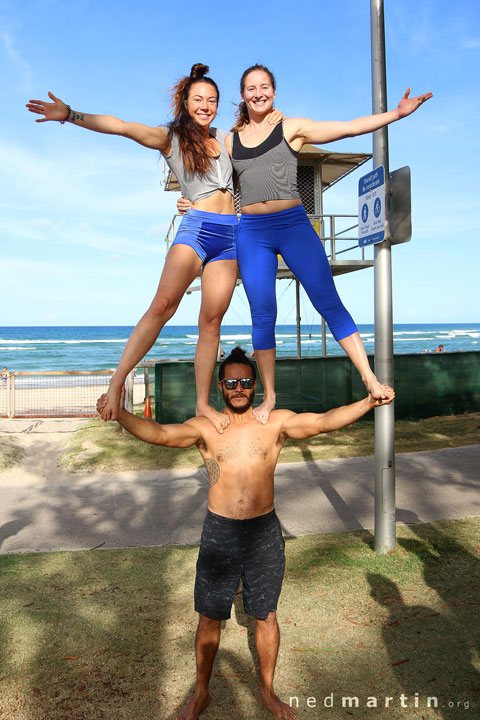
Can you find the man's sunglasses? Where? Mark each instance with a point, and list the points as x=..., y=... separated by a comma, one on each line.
x=231, y=384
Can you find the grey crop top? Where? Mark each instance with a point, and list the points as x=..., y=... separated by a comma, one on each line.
x=268, y=171
x=195, y=187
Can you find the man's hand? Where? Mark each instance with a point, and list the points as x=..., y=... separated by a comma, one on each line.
x=390, y=396
x=275, y=116
x=183, y=205
x=103, y=400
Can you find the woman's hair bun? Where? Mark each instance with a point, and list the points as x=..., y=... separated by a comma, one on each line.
x=198, y=71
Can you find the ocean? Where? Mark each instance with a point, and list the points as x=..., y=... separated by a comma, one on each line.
x=99, y=348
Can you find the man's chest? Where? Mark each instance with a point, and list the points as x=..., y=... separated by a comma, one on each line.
x=244, y=445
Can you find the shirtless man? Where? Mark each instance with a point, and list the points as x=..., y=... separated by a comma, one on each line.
x=241, y=536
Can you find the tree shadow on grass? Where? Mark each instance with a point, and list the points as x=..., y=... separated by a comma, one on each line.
x=428, y=651
x=435, y=650
x=453, y=572
x=85, y=634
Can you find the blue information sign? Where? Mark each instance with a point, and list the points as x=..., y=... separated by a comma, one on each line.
x=371, y=207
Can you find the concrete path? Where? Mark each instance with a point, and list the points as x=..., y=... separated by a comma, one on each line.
x=43, y=510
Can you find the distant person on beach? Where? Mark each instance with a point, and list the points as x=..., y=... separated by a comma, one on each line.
x=274, y=222
x=439, y=349
x=4, y=377
x=206, y=238
x=241, y=537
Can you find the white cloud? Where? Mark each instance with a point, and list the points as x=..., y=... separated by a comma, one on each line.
x=469, y=43
x=86, y=235
x=102, y=181
x=43, y=223
x=109, y=201
x=158, y=229
x=21, y=65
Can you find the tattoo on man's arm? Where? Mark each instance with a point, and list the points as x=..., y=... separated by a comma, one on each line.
x=213, y=469
x=77, y=116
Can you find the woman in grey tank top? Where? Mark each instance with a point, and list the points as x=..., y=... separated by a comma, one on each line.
x=206, y=237
x=274, y=222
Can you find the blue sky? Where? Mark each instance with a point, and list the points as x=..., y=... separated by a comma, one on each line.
x=83, y=216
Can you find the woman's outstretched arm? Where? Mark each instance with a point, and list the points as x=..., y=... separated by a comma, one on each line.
x=312, y=131
x=151, y=137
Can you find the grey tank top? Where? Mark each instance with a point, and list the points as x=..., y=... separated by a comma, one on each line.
x=268, y=171
x=219, y=177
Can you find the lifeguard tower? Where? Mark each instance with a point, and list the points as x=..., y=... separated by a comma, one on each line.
x=318, y=170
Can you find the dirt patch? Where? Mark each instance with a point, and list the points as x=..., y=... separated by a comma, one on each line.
x=39, y=443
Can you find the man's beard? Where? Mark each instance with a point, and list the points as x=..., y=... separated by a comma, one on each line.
x=243, y=408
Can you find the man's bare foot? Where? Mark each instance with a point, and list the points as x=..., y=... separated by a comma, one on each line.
x=262, y=412
x=279, y=709
x=375, y=388
x=110, y=410
x=219, y=420
x=192, y=709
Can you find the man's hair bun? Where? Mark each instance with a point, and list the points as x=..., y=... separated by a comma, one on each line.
x=198, y=71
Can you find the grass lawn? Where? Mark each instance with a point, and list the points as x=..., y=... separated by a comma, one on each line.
x=109, y=634
x=103, y=446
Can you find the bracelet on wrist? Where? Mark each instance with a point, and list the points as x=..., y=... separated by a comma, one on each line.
x=67, y=116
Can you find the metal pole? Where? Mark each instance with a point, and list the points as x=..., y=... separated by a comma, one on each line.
x=385, y=535
x=332, y=237
x=299, y=331
x=324, y=338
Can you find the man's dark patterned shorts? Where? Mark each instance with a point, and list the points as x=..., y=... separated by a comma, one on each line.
x=252, y=550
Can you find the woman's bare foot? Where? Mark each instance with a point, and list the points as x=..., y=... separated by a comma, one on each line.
x=375, y=388
x=192, y=709
x=219, y=420
x=113, y=397
x=279, y=709
x=262, y=412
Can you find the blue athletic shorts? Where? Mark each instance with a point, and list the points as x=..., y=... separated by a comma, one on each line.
x=211, y=235
x=252, y=550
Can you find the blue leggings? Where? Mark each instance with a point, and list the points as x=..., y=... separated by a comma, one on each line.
x=288, y=233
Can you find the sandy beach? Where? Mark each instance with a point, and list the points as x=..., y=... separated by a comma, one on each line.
x=59, y=401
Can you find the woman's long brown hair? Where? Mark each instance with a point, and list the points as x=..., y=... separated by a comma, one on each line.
x=241, y=113
x=190, y=137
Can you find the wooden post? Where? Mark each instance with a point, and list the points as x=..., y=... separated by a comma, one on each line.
x=147, y=383
x=10, y=403
x=129, y=392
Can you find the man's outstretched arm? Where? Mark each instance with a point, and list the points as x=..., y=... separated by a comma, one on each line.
x=306, y=425
x=179, y=435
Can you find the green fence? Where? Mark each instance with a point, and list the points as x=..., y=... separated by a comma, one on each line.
x=425, y=385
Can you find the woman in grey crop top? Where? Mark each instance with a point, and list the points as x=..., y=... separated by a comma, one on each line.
x=206, y=238
x=274, y=221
